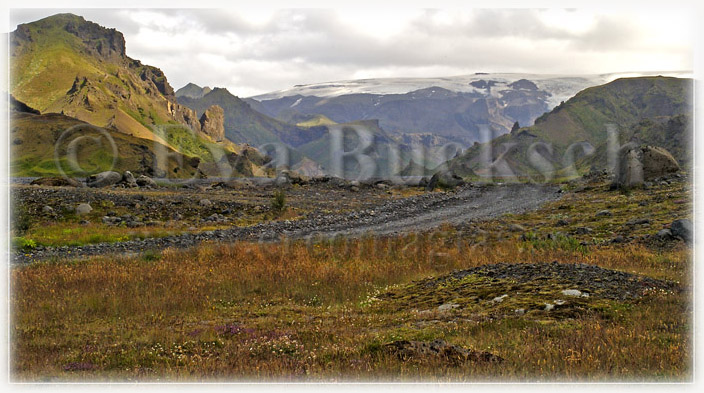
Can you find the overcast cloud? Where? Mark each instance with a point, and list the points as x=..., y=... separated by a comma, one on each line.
x=254, y=52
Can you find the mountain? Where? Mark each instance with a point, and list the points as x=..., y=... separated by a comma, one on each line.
x=649, y=110
x=66, y=65
x=242, y=123
x=452, y=108
x=192, y=90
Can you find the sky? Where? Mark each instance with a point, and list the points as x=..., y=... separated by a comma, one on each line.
x=252, y=51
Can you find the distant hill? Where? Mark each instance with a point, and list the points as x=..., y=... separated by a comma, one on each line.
x=192, y=90
x=242, y=123
x=650, y=109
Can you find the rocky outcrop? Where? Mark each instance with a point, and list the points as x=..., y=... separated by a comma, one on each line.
x=157, y=77
x=212, y=123
x=637, y=164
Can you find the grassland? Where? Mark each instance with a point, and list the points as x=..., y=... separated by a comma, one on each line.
x=317, y=311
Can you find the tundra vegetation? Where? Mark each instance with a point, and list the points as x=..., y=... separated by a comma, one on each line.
x=327, y=310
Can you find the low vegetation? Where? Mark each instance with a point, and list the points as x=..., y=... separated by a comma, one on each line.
x=297, y=310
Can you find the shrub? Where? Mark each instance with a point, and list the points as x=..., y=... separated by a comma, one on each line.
x=278, y=202
x=24, y=243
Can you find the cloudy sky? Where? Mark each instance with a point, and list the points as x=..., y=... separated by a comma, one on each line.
x=257, y=50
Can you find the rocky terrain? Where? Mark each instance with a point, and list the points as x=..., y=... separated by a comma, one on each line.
x=330, y=210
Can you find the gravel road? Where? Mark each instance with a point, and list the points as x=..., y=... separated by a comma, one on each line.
x=420, y=213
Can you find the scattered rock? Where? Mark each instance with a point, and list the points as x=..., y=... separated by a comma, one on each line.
x=618, y=239
x=499, y=299
x=516, y=228
x=574, y=292
x=111, y=220
x=664, y=234
x=638, y=221
x=456, y=354
x=205, y=202
x=83, y=208
x=583, y=230
x=682, y=229
x=549, y=307
x=145, y=181
x=562, y=223
x=604, y=213
x=447, y=306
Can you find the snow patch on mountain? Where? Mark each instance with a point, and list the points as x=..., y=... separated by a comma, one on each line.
x=560, y=87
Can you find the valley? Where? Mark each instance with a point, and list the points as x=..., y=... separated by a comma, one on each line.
x=500, y=227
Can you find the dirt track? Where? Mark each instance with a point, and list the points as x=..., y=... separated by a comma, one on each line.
x=413, y=214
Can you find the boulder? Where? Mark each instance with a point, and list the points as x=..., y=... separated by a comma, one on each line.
x=682, y=229
x=145, y=181
x=205, y=202
x=664, y=234
x=83, y=208
x=128, y=179
x=294, y=177
x=444, y=179
x=638, y=164
x=103, y=179
x=47, y=209
x=56, y=182
x=516, y=228
x=604, y=213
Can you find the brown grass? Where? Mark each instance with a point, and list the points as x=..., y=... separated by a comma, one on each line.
x=294, y=310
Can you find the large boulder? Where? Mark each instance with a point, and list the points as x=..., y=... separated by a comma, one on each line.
x=103, y=179
x=638, y=164
x=128, y=179
x=444, y=179
x=83, y=208
x=682, y=229
x=145, y=181
x=56, y=182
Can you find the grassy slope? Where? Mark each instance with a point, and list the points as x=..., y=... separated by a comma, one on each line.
x=35, y=137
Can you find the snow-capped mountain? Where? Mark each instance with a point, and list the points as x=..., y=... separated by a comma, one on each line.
x=560, y=87
x=449, y=107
